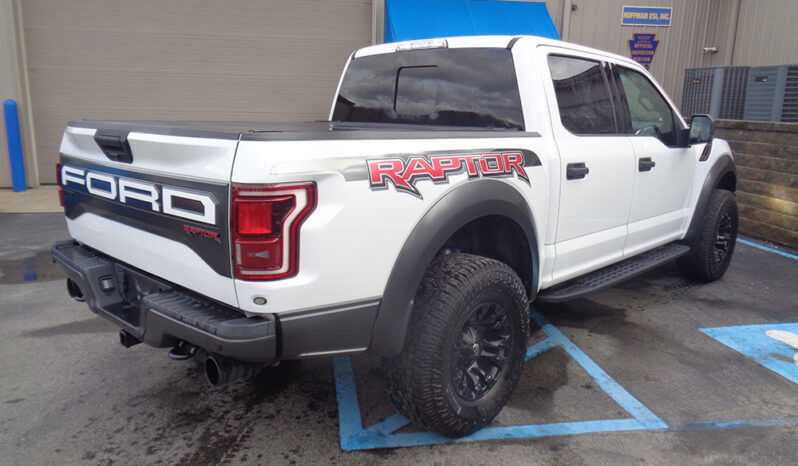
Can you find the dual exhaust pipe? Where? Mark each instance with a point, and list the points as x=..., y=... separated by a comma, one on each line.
x=219, y=370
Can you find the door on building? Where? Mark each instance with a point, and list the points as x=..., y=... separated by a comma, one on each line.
x=237, y=60
x=597, y=165
x=663, y=172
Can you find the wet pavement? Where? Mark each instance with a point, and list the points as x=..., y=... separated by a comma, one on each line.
x=69, y=393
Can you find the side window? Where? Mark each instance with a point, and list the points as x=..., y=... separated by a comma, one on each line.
x=649, y=113
x=583, y=95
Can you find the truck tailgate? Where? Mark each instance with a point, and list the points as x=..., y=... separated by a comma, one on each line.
x=156, y=198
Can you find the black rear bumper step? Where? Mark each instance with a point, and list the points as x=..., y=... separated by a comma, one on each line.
x=160, y=315
x=613, y=274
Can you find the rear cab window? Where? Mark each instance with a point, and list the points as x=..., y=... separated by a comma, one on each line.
x=465, y=87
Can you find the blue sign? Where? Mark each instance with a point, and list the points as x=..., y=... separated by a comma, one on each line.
x=646, y=16
x=642, y=48
x=775, y=346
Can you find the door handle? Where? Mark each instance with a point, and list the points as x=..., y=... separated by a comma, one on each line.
x=645, y=164
x=576, y=171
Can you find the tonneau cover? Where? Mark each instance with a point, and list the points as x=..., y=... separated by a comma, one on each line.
x=295, y=131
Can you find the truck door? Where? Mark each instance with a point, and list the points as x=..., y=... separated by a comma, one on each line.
x=663, y=172
x=597, y=165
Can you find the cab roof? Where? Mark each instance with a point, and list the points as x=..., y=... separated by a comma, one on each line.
x=484, y=41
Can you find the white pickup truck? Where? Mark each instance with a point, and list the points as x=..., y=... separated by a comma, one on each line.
x=456, y=181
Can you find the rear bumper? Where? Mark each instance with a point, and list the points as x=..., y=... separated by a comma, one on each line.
x=159, y=314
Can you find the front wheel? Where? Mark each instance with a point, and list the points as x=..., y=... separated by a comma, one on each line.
x=711, y=252
x=465, y=346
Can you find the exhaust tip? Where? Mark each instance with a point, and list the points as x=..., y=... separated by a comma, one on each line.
x=212, y=371
x=220, y=370
x=74, y=291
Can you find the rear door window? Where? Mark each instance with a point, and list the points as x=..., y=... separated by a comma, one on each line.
x=583, y=95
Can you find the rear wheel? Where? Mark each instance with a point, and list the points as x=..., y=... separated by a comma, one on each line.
x=465, y=346
x=711, y=252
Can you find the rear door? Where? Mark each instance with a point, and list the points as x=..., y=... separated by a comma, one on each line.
x=663, y=171
x=597, y=164
x=154, y=198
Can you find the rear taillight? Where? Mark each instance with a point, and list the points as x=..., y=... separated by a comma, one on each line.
x=60, y=185
x=265, y=228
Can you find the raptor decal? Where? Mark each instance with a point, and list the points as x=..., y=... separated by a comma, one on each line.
x=404, y=172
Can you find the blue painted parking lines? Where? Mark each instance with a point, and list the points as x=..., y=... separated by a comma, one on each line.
x=353, y=435
x=766, y=248
x=715, y=425
x=774, y=346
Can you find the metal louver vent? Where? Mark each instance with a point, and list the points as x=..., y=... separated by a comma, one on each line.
x=772, y=94
x=789, y=112
x=719, y=91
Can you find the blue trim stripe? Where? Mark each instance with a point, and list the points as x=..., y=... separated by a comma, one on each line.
x=766, y=248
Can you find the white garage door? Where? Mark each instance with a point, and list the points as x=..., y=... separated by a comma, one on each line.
x=273, y=60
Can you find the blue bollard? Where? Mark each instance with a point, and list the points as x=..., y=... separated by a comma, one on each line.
x=16, y=159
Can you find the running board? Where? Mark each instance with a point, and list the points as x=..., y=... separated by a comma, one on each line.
x=613, y=274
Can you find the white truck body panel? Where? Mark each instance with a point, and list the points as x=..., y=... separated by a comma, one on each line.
x=349, y=243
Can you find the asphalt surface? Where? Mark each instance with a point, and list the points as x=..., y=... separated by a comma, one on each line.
x=69, y=393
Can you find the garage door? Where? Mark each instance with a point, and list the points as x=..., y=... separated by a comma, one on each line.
x=184, y=60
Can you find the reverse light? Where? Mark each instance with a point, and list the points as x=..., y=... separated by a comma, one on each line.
x=265, y=228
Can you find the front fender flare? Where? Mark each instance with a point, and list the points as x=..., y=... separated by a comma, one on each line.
x=461, y=205
x=723, y=165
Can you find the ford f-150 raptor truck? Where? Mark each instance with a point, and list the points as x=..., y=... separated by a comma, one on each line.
x=455, y=181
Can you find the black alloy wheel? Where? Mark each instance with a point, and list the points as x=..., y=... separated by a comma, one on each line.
x=480, y=356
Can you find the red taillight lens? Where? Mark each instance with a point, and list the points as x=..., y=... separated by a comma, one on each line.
x=254, y=218
x=60, y=185
x=265, y=228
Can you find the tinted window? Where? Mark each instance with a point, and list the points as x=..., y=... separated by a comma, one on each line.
x=583, y=95
x=448, y=87
x=649, y=113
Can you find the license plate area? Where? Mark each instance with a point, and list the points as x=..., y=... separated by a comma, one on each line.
x=134, y=286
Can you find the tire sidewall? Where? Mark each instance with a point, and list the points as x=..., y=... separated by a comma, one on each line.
x=727, y=205
x=482, y=291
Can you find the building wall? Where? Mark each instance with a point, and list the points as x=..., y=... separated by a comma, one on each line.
x=746, y=33
x=766, y=155
x=13, y=86
x=767, y=33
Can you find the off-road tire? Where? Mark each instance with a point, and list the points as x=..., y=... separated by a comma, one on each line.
x=420, y=380
x=703, y=263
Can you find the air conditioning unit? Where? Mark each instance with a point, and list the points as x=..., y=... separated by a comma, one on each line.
x=719, y=91
x=772, y=94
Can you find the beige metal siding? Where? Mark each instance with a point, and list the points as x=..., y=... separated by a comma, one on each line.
x=598, y=24
x=767, y=33
x=13, y=86
x=185, y=60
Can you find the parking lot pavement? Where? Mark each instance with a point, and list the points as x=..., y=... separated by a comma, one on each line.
x=71, y=394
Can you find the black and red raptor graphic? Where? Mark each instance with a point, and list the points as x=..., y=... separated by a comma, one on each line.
x=403, y=172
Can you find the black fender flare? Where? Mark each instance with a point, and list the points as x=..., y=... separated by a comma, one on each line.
x=461, y=205
x=723, y=165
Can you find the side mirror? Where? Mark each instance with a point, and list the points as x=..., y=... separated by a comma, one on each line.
x=702, y=129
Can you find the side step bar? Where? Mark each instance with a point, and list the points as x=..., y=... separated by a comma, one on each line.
x=613, y=274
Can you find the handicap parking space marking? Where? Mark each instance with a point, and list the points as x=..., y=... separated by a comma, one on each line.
x=774, y=346
x=354, y=436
